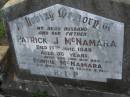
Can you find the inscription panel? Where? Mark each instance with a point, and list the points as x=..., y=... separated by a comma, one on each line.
x=61, y=41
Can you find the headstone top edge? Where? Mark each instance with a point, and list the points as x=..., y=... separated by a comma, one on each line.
x=61, y=5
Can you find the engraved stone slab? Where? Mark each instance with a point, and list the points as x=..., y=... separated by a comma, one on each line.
x=64, y=42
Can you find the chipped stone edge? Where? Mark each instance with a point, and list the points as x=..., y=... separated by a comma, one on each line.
x=11, y=3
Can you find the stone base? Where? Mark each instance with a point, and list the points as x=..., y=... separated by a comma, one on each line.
x=27, y=88
x=3, y=52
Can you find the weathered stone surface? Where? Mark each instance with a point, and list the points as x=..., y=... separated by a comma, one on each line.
x=122, y=1
x=113, y=9
x=3, y=52
x=27, y=87
x=11, y=3
x=98, y=43
x=2, y=2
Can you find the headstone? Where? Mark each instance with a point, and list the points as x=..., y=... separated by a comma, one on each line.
x=77, y=44
x=61, y=41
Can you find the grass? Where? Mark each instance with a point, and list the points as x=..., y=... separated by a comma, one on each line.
x=40, y=94
x=2, y=30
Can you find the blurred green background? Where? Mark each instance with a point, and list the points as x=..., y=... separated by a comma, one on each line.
x=2, y=29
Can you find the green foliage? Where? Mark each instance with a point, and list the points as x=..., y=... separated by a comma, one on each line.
x=2, y=30
x=40, y=94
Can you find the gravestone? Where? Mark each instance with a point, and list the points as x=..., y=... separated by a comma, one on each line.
x=60, y=41
x=70, y=45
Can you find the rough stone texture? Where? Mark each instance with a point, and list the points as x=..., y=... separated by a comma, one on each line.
x=11, y=3
x=3, y=51
x=123, y=1
x=2, y=2
x=113, y=9
x=26, y=87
